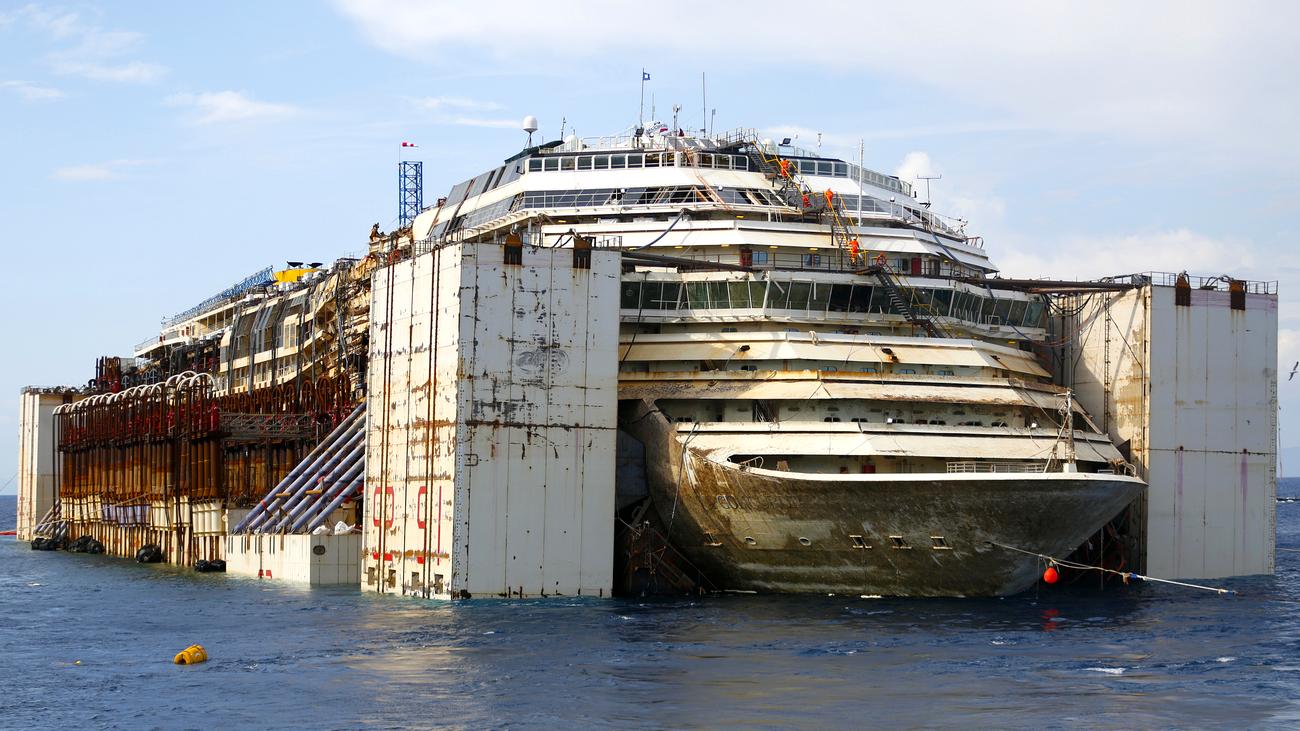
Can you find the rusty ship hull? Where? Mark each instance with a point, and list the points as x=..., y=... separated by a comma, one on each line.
x=769, y=531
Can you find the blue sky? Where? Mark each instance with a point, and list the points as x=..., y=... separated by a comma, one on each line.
x=155, y=152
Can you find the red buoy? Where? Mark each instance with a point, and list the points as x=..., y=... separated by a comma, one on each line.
x=1050, y=575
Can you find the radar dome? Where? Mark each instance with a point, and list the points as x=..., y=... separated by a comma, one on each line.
x=530, y=124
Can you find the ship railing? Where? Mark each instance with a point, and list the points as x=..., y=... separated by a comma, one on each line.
x=1221, y=283
x=994, y=467
x=148, y=344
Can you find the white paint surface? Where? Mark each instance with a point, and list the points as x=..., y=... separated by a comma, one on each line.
x=491, y=423
x=1194, y=390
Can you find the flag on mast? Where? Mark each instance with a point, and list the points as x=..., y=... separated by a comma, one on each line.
x=641, y=114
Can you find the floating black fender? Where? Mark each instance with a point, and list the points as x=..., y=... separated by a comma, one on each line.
x=149, y=553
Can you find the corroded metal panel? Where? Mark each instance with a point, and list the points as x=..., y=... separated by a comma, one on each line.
x=36, y=485
x=491, y=387
x=1192, y=389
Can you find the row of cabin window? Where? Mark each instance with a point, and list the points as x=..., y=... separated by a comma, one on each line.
x=835, y=169
x=645, y=196
x=696, y=194
x=638, y=160
x=818, y=297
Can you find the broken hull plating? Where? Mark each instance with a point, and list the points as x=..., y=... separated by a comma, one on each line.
x=767, y=531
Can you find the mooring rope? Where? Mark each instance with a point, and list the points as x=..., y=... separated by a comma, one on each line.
x=1126, y=575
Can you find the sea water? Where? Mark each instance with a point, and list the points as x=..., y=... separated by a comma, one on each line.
x=87, y=642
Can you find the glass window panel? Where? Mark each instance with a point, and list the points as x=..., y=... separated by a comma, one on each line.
x=841, y=170
x=618, y=161
x=942, y=301
x=534, y=165
x=668, y=296
x=653, y=160
x=551, y=163
x=1003, y=311
x=778, y=294
x=824, y=168
x=697, y=295
x=839, y=297
x=630, y=299
x=739, y=294
x=567, y=163
x=799, y=292
x=584, y=163
x=757, y=290
x=635, y=161
x=718, y=295
x=1034, y=314
x=1017, y=313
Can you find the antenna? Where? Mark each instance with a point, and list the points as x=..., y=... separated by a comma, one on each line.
x=676, y=108
x=563, y=120
x=927, y=179
x=704, y=102
x=530, y=126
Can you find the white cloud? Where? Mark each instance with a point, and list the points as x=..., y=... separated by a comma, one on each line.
x=482, y=122
x=32, y=92
x=1090, y=257
x=95, y=53
x=915, y=165
x=454, y=102
x=461, y=111
x=83, y=173
x=1167, y=69
x=219, y=107
x=134, y=72
x=110, y=170
x=95, y=173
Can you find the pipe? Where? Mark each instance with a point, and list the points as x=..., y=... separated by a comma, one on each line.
x=344, y=452
x=299, y=469
x=345, y=485
x=328, y=476
x=348, y=491
x=340, y=450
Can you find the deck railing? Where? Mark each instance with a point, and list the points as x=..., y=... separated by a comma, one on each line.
x=995, y=467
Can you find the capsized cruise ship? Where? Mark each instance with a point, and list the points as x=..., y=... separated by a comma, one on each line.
x=829, y=391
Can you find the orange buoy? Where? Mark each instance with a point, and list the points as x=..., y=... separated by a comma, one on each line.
x=1051, y=575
